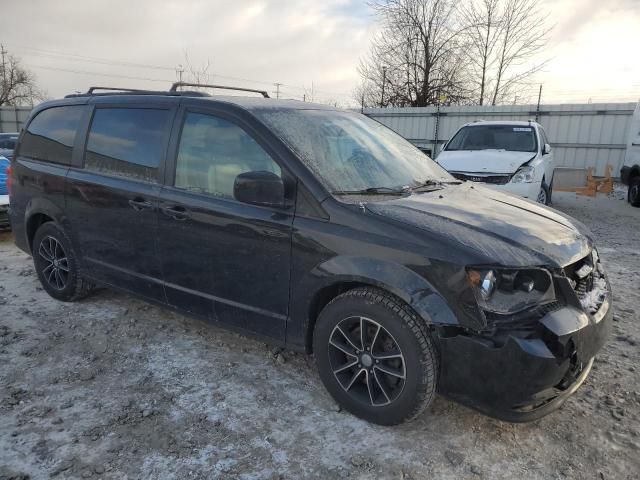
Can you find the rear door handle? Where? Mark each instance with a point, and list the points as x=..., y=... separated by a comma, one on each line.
x=140, y=204
x=176, y=212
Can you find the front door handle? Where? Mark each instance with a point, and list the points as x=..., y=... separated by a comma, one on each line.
x=176, y=212
x=139, y=204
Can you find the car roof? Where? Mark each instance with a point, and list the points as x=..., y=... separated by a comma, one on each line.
x=248, y=103
x=517, y=123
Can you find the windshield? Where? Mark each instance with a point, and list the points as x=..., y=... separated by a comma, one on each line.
x=351, y=152
x=494, y=137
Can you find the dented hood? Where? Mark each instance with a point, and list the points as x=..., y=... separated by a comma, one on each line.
x=483, y=161
x=498, y=228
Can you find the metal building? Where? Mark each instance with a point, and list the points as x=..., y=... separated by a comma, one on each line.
x=582, y=135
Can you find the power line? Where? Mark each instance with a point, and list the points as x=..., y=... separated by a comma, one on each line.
x=101, y=74
x=105, y=61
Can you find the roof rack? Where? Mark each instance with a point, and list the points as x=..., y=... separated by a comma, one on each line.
x=115, y=89
x=132, y=91
x=176, y=85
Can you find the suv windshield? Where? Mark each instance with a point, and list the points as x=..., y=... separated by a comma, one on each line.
x=494, y=137
x=350, y=152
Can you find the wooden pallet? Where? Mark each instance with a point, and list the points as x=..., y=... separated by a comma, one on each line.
x=593, y=185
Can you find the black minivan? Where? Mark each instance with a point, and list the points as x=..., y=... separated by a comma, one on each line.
x=320, y=230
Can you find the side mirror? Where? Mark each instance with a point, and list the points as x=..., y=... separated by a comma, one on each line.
x=546, y=149
x=259, y=188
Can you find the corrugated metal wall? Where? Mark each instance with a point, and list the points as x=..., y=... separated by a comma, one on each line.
x=582, y=135
x=12, y=118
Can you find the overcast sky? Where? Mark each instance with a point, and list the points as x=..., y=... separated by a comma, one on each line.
x=71, y=44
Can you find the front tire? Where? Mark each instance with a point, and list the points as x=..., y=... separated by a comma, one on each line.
x=375, y=356
x=544, y=195
x=57, y=265
x=634, y=191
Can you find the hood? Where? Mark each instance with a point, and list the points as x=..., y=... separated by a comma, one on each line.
x=496, y=228
x=483, y=161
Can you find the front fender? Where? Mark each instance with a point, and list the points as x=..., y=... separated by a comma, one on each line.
x=346, y=270
x=403, y=282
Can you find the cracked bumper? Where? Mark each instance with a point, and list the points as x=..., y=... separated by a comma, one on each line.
x=522, y=376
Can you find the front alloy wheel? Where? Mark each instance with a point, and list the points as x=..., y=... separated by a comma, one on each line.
x=367, y=361
x=375, y=356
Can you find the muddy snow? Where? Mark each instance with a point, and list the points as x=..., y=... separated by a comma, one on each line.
x=112, y=387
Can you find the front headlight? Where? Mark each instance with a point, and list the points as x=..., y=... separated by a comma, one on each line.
x=508, y=291
x=524, y=175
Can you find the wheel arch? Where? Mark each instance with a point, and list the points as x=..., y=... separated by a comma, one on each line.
x=354, y=272
x=39, y=211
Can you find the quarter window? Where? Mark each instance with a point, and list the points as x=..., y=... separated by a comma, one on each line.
x=51, y=134
x=213, y=152
x=127, y=142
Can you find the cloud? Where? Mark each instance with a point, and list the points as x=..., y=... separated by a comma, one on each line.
x=290, y=41
x=295, y=42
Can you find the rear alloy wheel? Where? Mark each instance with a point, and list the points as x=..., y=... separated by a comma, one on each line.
x=375, y=356
x=56, y=264
x=634, y=192
x=55, y=261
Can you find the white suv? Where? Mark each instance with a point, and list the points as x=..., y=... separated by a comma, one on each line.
x=515, y=157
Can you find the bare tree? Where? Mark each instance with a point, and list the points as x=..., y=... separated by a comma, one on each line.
x=483, y=20
x=17, y=84
x=416, y=60
x=442, y=51
x=504, y=37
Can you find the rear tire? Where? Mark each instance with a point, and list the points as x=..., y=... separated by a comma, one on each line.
x=57, y=265
x=634, y=191
x=389, y=375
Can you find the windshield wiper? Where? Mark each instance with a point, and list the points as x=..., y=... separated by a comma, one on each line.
x=373, y=191
x=434, y=184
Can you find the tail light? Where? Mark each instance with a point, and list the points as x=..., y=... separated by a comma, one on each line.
x=9, y=179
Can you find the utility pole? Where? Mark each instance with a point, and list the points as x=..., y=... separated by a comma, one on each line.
x=277, y=89
x=362, y=101
x=539, y=98
x=3, y=52
x=384, y=81
x=179, y=71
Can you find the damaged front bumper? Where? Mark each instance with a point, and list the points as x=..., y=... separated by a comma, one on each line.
x=522, y=374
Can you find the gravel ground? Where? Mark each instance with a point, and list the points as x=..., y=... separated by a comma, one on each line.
x=111, y=387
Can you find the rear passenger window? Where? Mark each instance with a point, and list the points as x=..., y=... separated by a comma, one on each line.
x=127, y=142
x=213, y=152
x=51, y=134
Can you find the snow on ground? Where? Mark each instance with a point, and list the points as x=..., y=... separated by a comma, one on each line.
x=111, y=387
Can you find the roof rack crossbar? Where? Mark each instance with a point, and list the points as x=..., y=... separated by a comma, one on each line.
x=115, y=89
x=176, y=85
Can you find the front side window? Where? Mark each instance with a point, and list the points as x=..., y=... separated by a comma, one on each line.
x=51, y=134
x=127, y=142
x=349, y=151
x=494, y=137
x=213, y=152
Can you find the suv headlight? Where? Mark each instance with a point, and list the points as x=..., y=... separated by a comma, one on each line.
x=508, y=290
x=524, y=175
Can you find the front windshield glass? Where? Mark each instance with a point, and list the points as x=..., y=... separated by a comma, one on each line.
x=494, y=137
x=351, y=152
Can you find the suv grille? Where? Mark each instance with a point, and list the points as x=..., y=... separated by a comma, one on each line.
x=493, y=179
